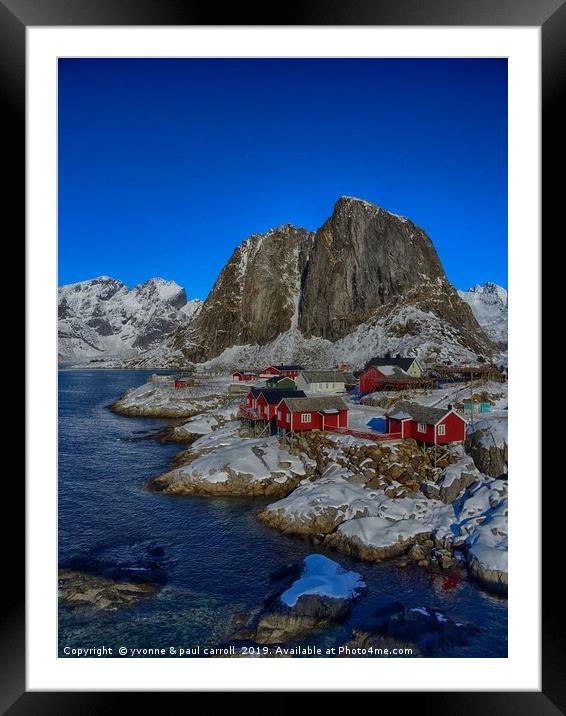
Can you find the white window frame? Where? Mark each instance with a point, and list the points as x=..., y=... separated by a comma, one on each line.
x=441, y=430
x=278, y=415
x=306, y=418
x=288, y=418
x=421, y=427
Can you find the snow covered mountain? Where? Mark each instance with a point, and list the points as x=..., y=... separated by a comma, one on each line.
x=102, y=318
x=366, y=282
x=489, y=305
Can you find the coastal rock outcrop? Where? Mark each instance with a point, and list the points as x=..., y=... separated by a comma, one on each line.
x=454, y=480
x=102, y=593
x=486, y=549
x=426, y=631
x=377, y=538
x=224, y=464
x=310, y=595
x=487, y=444
x=319, y=507
x=162, y=400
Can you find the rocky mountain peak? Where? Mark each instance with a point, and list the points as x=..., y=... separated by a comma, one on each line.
x=488, y=303
x=161, y=290
x=369, y=258
x=102, y=317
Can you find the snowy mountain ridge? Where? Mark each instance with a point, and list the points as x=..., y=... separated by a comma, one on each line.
x=366, y=282
x=489, y=304
x=102, y=318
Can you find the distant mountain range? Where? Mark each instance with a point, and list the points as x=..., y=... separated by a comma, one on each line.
x=366, y=282
x=489, y=305
x=103, y=318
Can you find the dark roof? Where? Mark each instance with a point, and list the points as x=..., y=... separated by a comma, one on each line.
x=419, y=413
x=244, y=370
x=279, y=378
x=403, y=363
x=273, y=396
x=297, y=404
x=286, y=367
x=323, y=376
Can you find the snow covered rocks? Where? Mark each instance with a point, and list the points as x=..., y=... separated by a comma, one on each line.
x=453, y=481
x=377, y=538
x=319, y=507
x=487, y=549
x=312, y=594
x=488, y=445
x=224, y=464
x=161, y=400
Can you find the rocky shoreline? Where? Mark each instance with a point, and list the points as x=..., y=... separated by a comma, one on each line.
x=440, y=507
x=80, y=589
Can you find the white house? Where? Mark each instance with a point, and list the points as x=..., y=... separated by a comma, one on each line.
x=409, y=365
x=321, y=381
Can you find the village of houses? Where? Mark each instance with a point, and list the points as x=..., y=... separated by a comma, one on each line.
x=394, y=461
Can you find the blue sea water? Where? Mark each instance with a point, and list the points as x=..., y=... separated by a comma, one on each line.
x=214, y=558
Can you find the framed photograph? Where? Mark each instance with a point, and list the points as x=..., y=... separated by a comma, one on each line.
x=275, y=386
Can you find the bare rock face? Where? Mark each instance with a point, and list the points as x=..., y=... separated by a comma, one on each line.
x=367, y=262
x=256, y=296
x=364, y=265
x=368, y=258
x=310, y=595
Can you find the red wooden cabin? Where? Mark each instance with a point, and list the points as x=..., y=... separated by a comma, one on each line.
x=183, y=383
x=369, y=379
x=287, y=371
x=261, y=403
x=431, y=426
x=243, y=375
x=376, y=378
x=298, y=414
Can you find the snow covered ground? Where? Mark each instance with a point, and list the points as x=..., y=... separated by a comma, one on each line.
x=324, y=496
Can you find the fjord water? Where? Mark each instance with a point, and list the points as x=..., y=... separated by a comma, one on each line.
x=216, y=557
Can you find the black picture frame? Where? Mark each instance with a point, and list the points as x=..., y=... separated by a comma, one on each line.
x=15, y=16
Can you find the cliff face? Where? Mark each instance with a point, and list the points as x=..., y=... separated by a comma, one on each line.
x=364, y=267
x=256, y=295
x=363, y=258
x=368, y=281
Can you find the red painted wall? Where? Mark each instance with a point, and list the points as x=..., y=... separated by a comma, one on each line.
x=243, y=376
x=290, y=373
x=455, y=430
x=369, y=379
x=339, y=419
x=411, y=431
x=268, y=410
x=272, y=371
x=394, y=426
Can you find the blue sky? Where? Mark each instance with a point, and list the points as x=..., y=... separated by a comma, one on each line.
x=166, y=165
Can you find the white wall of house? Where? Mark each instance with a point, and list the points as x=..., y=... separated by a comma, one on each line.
x=330, y=387
x=415, y=369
